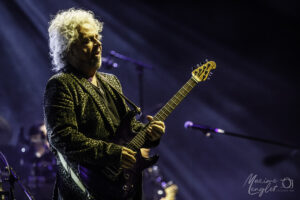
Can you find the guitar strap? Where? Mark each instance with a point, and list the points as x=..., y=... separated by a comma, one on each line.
x=73, y=175
x=136, y=108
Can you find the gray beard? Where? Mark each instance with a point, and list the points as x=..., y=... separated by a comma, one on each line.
x=95, y=63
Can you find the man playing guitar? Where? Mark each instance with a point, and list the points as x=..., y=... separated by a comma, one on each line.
x=84, y=109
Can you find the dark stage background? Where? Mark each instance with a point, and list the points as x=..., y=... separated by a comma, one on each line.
x=254, y=90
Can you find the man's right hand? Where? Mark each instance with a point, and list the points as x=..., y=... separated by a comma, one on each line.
x=127, y=158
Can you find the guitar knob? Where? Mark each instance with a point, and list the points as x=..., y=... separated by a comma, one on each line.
x=125, y=187
x=126, y=176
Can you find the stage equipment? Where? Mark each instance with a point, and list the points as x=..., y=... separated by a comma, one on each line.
x=161, y=187
x=207, y=129
x=11, y=177
x=269, y=160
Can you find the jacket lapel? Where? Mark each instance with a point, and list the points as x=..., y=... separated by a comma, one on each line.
x=117, y=97
x=105, y=83
x=89, y=88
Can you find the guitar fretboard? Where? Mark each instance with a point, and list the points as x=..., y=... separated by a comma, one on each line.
x=165, y=111
x=138, y=141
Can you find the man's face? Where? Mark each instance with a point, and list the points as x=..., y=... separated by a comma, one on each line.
x=36, y=139
x=86, y=51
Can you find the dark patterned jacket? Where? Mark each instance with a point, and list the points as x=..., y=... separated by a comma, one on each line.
x=78, y=124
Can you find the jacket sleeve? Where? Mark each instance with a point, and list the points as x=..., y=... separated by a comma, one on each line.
x=62, y=128
x=136, y=125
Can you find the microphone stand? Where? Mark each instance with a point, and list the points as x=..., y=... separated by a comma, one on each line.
x=263, y=140
x=268, y=160
x=260, y=140
x=12, y=179
x=140, y=70
x=206, y=130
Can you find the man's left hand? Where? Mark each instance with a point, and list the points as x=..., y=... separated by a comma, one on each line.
x=155, y=129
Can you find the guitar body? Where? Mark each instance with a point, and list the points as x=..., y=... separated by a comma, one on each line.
x=101, y=184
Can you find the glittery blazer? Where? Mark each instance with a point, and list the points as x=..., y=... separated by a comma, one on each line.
x=77, y=120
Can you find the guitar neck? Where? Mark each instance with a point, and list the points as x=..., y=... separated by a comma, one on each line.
x=168, y=108
x=138, y=141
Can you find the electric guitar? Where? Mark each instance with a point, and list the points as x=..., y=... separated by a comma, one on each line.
x=117, y=183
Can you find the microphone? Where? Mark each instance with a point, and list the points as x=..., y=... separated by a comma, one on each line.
x=205, y=129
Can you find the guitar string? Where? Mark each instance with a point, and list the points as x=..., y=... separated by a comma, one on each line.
x=167, y=109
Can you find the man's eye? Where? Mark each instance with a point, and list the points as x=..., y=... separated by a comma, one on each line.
x=85, y=41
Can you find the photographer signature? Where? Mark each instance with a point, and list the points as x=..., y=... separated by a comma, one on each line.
x=259, y=186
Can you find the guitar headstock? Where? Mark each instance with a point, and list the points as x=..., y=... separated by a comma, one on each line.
x=204, y=71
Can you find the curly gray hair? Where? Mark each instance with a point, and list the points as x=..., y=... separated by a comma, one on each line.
x=63, y=32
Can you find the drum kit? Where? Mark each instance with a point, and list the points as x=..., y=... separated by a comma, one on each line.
x=156, y=186
x=8, y=175
x=37, y=179
x=34, y=163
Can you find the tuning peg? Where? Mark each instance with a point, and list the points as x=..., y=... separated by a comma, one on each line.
x=201, y=63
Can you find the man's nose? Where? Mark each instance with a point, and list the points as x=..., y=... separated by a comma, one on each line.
x=97, y=43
